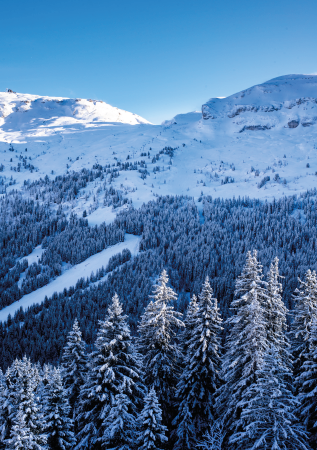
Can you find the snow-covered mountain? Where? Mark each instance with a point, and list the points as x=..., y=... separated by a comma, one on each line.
x=287, y=102
x=260, y=142
x=31, y=111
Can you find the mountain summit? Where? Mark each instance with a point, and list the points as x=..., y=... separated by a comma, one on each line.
x=31, y=111
x=287, y=101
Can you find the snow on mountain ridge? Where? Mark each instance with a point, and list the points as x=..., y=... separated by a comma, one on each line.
x=37, y=108
x=267, y=132
x=279, y=94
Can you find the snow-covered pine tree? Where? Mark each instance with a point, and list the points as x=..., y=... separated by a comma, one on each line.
x=190, y=324
x=307, y=387
x=46, y=374
x=74, y=364
x=59, y=427
x=3, y=410
x=305, y=313
x=114, y=367
x=21, y=437
x=156, y=343
x=29, y=402
x=152, y=432
x=21, y=382
x=201, y=375
x=213, y=438
x=120, y=426
x=267, y=419
x=246, y=343
x=9, y=401
x=276, y=313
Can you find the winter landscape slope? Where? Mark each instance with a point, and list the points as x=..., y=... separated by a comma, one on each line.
x=261, y=142
x=266, y=131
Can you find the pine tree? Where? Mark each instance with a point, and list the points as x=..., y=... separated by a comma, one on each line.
x=3, y=418
x=152, y=432
x=114, y=368
x=59, y=427
x=30, y=402
x=189, y=325
x=307, y=388
x=214, y=437
x=9, y=401
x=74, y=364
x=46, y=374
x=22, y=381
x=267, y=419
x=246, y=343
x=156, y=343
x=21, y=437
x=201, y=376
x=276, y=313
x=305, y=313
x=120, y=426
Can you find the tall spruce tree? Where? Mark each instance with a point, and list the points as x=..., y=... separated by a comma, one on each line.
x=120, y=426
x=152, y=432
x=156, y=343
x=201, y=375
x=21, y=437
x=267, y=419
x=305, y=313
x=3, y=418
x=114, y=368
x=189, y=325
x=59, y=427
x=246, y=343
x=29, y=401
x=276, y=313
x=307, y=387
x=9, y=401
x=74, y=364
x=20, y=394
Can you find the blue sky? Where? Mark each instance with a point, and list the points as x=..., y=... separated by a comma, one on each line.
x=154, y=58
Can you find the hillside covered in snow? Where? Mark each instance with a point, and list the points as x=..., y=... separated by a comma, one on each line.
x=260, y=142
x=74, y=159
x=116, y=228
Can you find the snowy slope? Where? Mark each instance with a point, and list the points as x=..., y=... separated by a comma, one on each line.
x=70, y=276
x=267, y=132
x=25, y=111
x=287, y=102
x=241, y=138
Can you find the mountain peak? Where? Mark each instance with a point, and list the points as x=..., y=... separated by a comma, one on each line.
x=279, y=94
x=27, y=110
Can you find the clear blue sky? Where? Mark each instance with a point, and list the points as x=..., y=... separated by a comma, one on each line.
x=154, y=58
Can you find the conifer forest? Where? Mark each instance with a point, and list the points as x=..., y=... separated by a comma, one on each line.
x=206, y=339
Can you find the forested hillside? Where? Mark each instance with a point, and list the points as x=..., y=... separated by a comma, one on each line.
x=158, y=284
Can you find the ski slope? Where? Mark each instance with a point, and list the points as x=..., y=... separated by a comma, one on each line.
x=69, y=277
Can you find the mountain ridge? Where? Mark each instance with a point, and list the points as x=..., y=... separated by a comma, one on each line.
x=261, y=143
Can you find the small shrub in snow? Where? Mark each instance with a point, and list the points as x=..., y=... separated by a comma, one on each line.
x=263, y=182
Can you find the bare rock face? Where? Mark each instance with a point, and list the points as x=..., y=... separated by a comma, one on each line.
x=206, y=113
x=255, y=128
x=293, y=124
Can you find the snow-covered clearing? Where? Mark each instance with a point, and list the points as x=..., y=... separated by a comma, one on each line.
x=70, y=276
x=34, y=256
